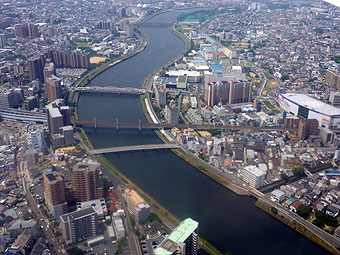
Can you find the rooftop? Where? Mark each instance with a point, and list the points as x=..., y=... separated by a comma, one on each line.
x=134, y=197
x=183, y=230
x=311, y=103
x=78, y=214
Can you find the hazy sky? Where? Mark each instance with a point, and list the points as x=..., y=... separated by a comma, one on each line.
x=335, y=2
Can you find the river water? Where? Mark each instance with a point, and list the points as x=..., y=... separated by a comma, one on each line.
x=230, y=222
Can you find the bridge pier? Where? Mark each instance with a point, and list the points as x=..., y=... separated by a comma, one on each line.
x=95, y=123
x=117, y=125
x=139, y=126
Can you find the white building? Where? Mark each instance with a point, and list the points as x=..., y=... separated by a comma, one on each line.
x=136, y=205
x=253, y=176
x=118, y=226
x=35, y=135
x=97, y=204
x=310, y=108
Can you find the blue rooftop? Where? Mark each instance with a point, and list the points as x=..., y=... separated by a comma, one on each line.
x=216, y=67
x=47, y=171
x=292, y=200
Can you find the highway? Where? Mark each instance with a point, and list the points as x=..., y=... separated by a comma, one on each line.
x=40, y=217
x=135, y=148
x=138, y=125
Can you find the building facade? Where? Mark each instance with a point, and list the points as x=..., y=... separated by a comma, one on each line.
x=79, y=225
x=136, y=205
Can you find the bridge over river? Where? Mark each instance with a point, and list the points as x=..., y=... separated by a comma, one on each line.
x=112, y=90
x=131, y=148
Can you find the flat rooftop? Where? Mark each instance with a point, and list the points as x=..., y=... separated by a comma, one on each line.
x=183, y=230
x=312, y=104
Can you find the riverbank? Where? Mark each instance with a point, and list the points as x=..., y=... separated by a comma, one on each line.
x=74, y=97
x=298, y=227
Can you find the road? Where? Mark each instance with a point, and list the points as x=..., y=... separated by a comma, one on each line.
x=40, y=217
x=331, y=240
x=142, y=147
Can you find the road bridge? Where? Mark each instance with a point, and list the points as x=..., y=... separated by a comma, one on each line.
x=154, y=24
x=117, y=125
x=112, y=90
x=131, y=148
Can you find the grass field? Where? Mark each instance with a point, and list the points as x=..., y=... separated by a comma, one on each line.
x=82, y=44
x=272, y=84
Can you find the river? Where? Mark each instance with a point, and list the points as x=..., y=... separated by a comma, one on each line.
x=230, y=222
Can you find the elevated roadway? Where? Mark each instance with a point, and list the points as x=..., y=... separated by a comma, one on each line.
x=131, y=148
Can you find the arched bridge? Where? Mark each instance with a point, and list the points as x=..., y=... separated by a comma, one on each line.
x=112, y=90
x=131, y=148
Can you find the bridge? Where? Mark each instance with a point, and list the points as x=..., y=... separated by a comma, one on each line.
x=112, y=90
x=131, y=148
x=139, y=125
x=153, y=24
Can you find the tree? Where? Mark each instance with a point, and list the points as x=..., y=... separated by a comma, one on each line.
x=285, y=77
x=75, y=251
x=336, y=59
x=319, y=223
x=327, y=219
x=304, y=211
x=284, y=176
x=274, y=210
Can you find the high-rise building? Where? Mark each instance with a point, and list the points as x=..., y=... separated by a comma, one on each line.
x=3, y=40
x=227, y=92
x=53, y=88
x=49, y=68
x=327, y=135
x=79, y=225
x=36, y=67
x=67, y=133
x=55, y=120
x=307, y=127
x=160, y=95
x=69, y=60
x=50, y=31
x=171, y=113
x=7, y=98
x=182, y=241
x=136, y=205
x=26, y=30
x=87, y=182
x=333, y=79
x=334, y=98
x=55, y=193
x=240, y=92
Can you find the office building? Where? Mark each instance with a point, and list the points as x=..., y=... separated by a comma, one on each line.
x=30, y=103
x=8, y=98
x=171, y=113
x=334, y=98
x=127, y=27
x=79, y=225
x=136, y=205
x=35, y=135
x=87, y=182
x=182, y=241
x=53, y=88
x=307, y=127
x=333, y=79
x=36, y=67
x=55, y=193
x=253, y=176
x=307, y=107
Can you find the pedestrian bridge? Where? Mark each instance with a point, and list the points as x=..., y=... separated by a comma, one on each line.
x=132, y=148
x=112, y=90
